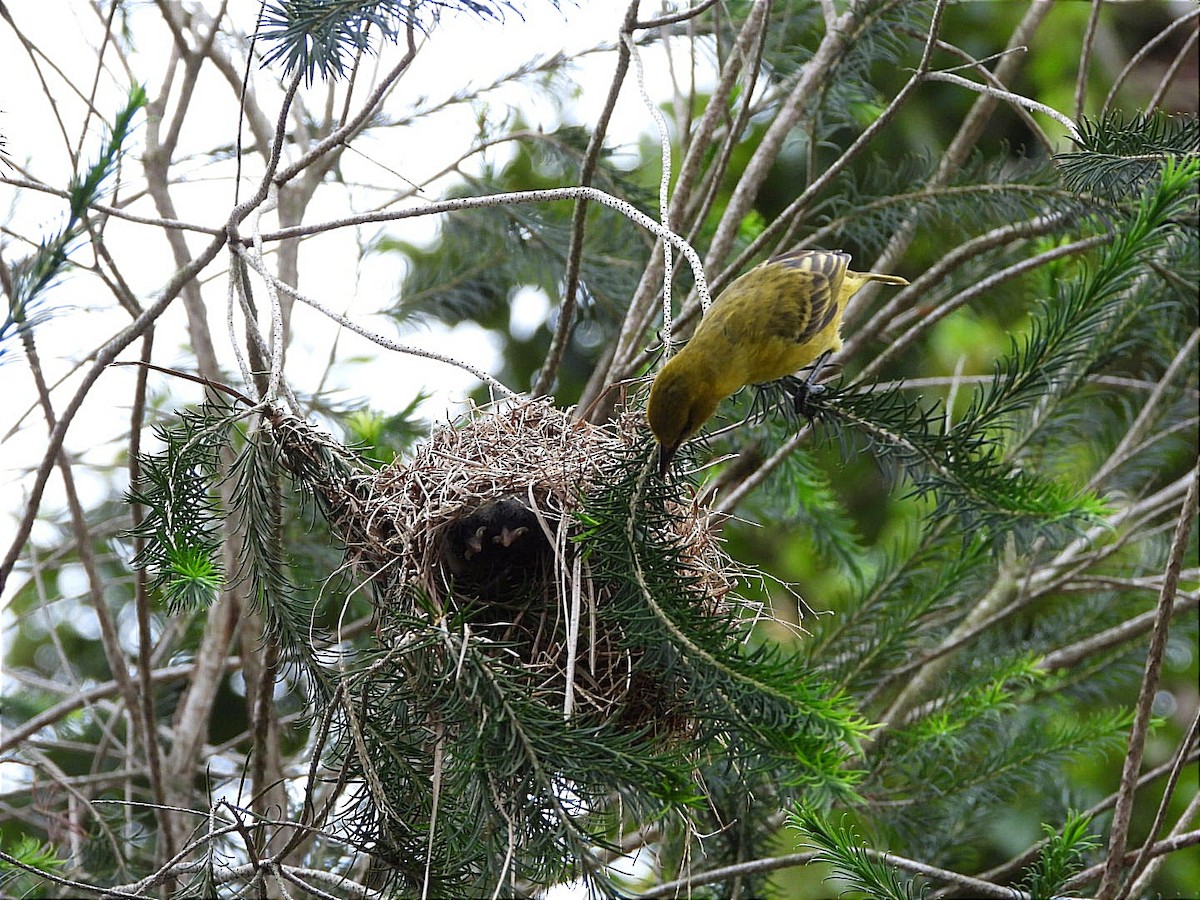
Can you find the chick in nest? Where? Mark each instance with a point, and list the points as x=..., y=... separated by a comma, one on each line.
x=495, y=551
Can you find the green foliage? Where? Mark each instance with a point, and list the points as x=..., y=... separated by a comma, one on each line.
x=464, y=763
x=802, y=497
x=1121, y=154
x=1083, y=328
x=876, y=39
x=326, y=36
x=257, y=510
x=753, y=701
x=185, y=518
x=1062, y=857
x=180, y=529
x=954, y=761
x=861, y=869
x=964, y=468
x=382, y=437
x=15, y=879
x=960, y=470
x=886, y=620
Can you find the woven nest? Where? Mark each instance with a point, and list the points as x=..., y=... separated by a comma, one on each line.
x=480, y=527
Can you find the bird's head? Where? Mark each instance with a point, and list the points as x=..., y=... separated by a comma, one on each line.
x=681, y=400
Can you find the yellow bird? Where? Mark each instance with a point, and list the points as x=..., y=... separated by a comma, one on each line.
x=777, y=318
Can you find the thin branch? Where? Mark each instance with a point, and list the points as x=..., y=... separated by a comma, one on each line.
x=34, y=53
x=351, y=128
x=1009, y=96
x=193, y=61
x=242, y=210
x=964, y=141
x=829, y=53
x=1124, y=450
x=1005, y=870
x=148, y=705
x=978, y=887
x=81, y=886
x=91, y=98
x=889, y=318
x=566, y=310
x=1173, y=69
x=1068, y=657
x=80, y=699
x=1160, y=848
x=798, y=207
x=1155, y=862
x=1142, y=53
x=1085, y=58
x=1189, y=738
x=942, y=381
x=923, y=321
x=979, y=66
x=115, y=212
x=256, y=263
x=675, y=18
x=1123, y=811
x=682, y=886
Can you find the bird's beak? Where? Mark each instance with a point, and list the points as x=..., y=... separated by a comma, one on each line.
x=665, y=455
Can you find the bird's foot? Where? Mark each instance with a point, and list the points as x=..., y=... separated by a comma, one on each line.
x=802, y=396
x=808, y=389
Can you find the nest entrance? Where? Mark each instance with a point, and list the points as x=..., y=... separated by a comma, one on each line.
x=499, y=551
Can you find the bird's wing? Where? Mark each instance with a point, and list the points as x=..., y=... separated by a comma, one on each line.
x=826, y=269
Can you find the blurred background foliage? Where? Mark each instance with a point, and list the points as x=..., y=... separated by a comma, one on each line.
x=830, y=522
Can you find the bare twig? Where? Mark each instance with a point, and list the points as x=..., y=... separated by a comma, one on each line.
x=256, y=263
x=1173, y=70
x=1185, y=745
x=1005, y=870
x=566, y=311
x=1085, y=58
x=1159, y=848
x=1149, y=408
x=1123, y=811
x=1127, y=631
x=1145, y=50
x=978, y=887
x=675, y=18
x=115, y=212
x=1011, y=97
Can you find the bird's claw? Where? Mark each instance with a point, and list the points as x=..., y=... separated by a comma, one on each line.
x=806, y=392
